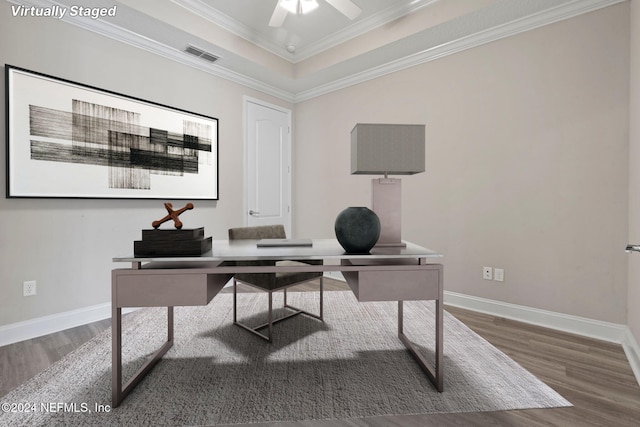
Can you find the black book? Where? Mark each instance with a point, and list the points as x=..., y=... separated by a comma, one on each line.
x=156, y=235
x=158, y=248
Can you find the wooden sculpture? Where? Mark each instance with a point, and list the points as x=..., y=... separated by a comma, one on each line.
x=172, y=215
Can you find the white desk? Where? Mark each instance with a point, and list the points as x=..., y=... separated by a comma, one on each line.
x=387, y=274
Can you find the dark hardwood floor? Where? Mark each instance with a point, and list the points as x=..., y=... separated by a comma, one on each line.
x=594, y=376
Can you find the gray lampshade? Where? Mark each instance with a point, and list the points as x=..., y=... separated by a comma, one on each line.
x=377, y=149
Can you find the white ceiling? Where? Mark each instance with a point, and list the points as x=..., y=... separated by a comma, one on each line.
x=323, y=28
x=331, y=52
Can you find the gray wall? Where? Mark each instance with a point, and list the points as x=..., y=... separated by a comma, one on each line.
x=634, y=174
x=527, y=167
x=67, y=245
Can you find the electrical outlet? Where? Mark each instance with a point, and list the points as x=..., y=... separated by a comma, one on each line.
x=498, y=274
x=29, y=288
x=487, y=273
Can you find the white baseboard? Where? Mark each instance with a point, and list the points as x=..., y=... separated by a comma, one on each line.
x=605, y=331
x=632, y=350
x=45, y=325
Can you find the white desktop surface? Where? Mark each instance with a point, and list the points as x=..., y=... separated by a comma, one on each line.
x=248, y=250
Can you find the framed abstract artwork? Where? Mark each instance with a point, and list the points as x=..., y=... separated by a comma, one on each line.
x=71, y=140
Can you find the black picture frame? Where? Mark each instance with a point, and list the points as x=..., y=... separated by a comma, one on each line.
x=70, y=140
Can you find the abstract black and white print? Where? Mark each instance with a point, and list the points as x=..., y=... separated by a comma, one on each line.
x=68, y=140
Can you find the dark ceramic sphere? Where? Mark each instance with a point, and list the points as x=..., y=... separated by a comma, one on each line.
x=357, y=229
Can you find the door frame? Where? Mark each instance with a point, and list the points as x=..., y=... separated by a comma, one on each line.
x=245, y=203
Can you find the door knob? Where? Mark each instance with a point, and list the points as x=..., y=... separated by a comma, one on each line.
x=632, y=248
x=252, y=212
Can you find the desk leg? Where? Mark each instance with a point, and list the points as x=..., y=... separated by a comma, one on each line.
x=435, y=375
x=116, y=354
x=118, y=392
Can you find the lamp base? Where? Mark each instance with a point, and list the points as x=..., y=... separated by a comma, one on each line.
x=386, y=202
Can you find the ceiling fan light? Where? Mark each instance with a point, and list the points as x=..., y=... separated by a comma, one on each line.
x=308, y=5
x=290, y=5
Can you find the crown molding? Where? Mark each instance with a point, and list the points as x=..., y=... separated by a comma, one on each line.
x=131, y=38
x=531, y=22
x=550, y=16
x=136, y=40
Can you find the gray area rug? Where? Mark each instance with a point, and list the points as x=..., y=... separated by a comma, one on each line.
x=352, y=365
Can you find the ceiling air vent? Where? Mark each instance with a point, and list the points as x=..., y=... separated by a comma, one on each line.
x=207, y=56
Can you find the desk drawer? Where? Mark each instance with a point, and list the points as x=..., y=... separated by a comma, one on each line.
x=168, y=288
x=395, y=285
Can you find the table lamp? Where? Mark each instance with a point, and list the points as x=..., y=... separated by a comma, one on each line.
x=387, y=149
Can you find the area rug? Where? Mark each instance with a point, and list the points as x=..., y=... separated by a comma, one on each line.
x=352, y=365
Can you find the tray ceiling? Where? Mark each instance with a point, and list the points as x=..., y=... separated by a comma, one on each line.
x=320, y=51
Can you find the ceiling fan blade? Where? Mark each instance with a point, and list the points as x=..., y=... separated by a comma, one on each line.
x=279, y=14
x=346, y=7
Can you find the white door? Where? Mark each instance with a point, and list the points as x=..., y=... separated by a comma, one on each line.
x=268, y=171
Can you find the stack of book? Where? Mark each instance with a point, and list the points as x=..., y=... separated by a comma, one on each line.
x=169, y=243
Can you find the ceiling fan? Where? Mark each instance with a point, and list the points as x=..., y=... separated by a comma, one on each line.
x=283, y=7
